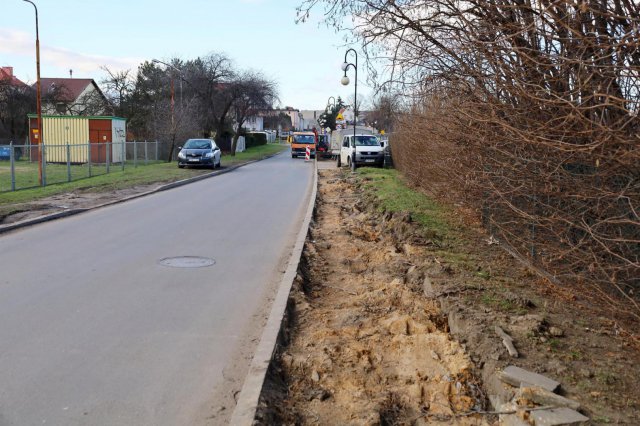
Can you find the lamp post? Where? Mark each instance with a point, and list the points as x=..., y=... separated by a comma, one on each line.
x=331, y=102
x=38, y=96
x=345, y=81
x=179, y=73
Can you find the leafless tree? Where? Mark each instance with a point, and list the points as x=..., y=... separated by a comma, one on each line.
x=252, y=93
x=384, y=111
x=527, y=112
x=208, y=79
x=118, y=86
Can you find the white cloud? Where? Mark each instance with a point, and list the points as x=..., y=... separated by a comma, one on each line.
x=16, y=42
x=59, y=60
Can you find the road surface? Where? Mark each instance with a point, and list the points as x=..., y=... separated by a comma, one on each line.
x=95, y=331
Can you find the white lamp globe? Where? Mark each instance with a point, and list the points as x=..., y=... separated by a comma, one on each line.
x=345, y=80
x=344, y=66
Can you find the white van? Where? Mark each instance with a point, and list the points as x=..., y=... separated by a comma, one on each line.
x=337, y=137
x=368, y=151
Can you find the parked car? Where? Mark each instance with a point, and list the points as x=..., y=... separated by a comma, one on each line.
x=199, y=152
x=368, y=151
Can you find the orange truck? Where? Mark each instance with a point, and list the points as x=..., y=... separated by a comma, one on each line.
x=299, y=143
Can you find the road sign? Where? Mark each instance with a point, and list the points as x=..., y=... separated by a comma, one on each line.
x=339, y=117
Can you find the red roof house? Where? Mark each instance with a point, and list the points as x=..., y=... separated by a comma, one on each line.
x=73, y=96
x=6, y=74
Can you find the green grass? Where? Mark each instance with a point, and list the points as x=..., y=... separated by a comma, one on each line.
x=132, y=176
x=396, y=197
x=495, y=301
x=435, y=220
x=26, y=173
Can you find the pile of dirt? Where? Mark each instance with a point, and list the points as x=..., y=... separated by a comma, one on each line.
x=386, y=327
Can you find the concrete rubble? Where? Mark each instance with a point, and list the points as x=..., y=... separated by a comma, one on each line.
x=535, y=402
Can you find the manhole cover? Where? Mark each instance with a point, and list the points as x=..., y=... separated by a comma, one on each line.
x=187, y=262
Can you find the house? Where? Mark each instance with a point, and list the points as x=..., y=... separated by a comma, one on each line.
x=254, y=123
x=310, y=118
x=294, y=115
x=6, y=76
x=73, y=96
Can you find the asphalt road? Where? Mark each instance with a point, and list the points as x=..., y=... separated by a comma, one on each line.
x=94, y=331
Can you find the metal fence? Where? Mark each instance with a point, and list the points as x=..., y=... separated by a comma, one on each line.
x=20, y=165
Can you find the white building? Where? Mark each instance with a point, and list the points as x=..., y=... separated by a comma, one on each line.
x=310, y=118
x=296, y=117
x=254, y=124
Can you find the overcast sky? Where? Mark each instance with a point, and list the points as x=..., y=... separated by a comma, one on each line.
x=83, y=35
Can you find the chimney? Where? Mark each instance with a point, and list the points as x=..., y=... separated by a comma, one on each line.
x=70, y=73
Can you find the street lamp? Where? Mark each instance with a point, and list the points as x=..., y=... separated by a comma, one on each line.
x=331, y=102
x=345, y=81
x=38, y=96
x=179, y=73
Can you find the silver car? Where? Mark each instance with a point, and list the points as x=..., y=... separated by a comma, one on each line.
x=199, y=152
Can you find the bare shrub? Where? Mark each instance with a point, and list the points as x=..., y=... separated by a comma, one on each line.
x=527, y=111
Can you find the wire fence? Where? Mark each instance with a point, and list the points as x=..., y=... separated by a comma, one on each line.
x=30, y=166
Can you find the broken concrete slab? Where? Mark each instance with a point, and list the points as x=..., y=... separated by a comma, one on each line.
x=557, y=416
x=512, y=418
x=544, y=397
x=517, y=376
x=507, y=341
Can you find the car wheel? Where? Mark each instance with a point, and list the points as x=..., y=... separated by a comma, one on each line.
x=338, y=164
x=219, y=163
x=181, y=166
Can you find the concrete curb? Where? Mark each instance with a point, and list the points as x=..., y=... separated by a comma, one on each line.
x=72, y=212
x=245, y=411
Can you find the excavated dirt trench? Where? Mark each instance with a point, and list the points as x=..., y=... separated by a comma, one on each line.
x=364, y=345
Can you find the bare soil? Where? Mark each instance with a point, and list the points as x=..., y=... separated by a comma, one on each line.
x=81, y=199
x=386, y=327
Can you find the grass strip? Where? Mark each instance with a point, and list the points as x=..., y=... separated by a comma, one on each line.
x=130, y=177
x=396, y=197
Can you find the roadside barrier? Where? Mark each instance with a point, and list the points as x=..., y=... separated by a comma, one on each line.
x=307, y=154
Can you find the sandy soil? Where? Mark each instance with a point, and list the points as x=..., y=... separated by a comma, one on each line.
x=367, y=349
x=383, y=330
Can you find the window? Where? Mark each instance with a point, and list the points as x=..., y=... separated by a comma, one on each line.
x=367, y=141
x=304, y=139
